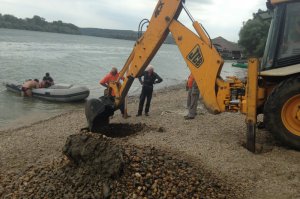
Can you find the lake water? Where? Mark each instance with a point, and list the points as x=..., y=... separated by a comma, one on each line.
x=73, y=59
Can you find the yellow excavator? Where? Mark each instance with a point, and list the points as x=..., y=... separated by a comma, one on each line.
x=272, y=86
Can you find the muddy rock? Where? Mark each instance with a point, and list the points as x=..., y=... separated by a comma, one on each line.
x=97, y=152
x=1, y=190
x=106, y=190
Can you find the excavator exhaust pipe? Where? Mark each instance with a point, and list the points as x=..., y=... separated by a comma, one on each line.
x=98, y=111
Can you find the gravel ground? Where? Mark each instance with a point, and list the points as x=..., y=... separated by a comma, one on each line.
x=210, y=147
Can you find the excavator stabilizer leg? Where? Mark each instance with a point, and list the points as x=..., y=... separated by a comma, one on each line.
x=251, y=136
x=98, y=111
x=251, y=116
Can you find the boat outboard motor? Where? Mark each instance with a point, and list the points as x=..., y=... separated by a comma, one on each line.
x=98, y=111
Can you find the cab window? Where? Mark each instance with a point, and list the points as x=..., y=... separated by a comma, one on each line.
x=290, y=43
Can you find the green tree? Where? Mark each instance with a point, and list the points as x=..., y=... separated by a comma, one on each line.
x=38, y=24
x=253, y=35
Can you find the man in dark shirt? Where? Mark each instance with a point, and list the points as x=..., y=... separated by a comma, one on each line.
x=47, y=81
x=150, y=78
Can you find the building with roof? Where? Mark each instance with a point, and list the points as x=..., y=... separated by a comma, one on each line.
x=227, y=49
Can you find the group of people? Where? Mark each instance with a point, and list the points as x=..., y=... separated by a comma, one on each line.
x=147, y=80
x=35, y=83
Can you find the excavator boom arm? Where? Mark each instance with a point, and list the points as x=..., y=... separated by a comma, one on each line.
x=147, y=45
x=200, y=55
x=203, y=60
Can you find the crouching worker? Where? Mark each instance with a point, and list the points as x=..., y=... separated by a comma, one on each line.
x=113, y=76
x=28, y=86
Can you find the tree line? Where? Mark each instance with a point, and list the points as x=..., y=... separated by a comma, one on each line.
x=252, y=36
x=37, y=23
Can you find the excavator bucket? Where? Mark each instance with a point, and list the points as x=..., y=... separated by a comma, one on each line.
x=98, y=111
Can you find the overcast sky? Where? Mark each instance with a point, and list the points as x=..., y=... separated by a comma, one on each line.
x=219, y=17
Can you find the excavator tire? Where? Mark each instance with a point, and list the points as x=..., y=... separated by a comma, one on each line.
x=98, y=111
x=282, y=112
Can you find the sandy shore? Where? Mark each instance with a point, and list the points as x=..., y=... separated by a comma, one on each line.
x=212, y=142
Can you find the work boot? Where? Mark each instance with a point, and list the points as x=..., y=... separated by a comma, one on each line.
x=125, y=116
x=188, y=117
x=261, y=125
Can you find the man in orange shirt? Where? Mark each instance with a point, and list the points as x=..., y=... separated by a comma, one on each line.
x=193, y=97
x=189, y=85
x=112, y=76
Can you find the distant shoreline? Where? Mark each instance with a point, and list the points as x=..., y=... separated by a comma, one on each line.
x=37, y=23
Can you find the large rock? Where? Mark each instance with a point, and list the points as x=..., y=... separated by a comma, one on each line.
x=95, y=152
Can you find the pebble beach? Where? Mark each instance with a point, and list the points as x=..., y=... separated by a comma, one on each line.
x=164, y=156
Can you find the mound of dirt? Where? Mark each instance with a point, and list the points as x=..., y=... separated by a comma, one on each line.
x=95, y=152
x=145, y=173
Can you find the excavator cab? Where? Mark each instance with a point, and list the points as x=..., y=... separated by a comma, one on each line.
x=282, y=47
x=280, y=73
